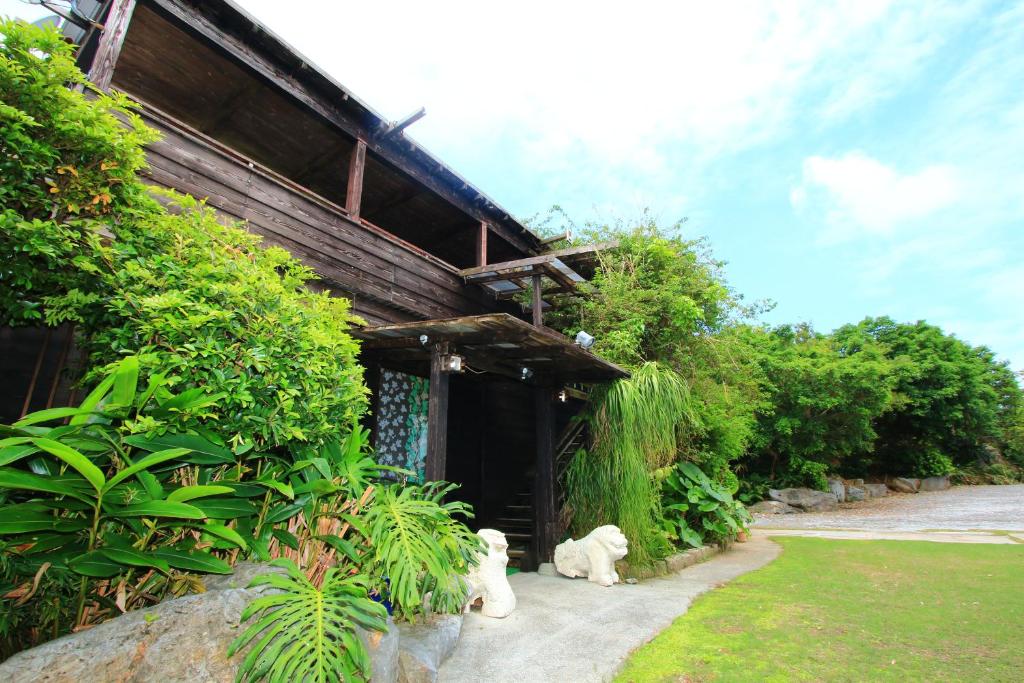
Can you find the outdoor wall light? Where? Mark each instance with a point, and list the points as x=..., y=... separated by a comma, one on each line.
x=584, y=340
x=526, y=373
x=424, y=339
x=453, y=363
x=563, y=396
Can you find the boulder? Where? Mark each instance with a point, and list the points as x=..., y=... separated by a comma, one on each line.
x=855, y=494
x=424, y=646
x=856, y=482
x=905, y=485
x=838, y=487
x=935, y=483
x=771, y=507
x=383, y=651
x=876, y=490
x=185, y=639
x=807, y=500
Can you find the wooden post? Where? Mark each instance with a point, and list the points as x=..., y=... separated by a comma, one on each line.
x=538, y=303
x=545, y=512
x=114, y=29
x=437, y=415
x=356, y=168
x=481, y=245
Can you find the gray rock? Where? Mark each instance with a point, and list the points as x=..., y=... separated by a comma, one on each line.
x=838, y=488
x=185, y=639
x=383, y=651
x=771, y=507
x=856, y=482
x=424, y=646
x=807, y=500
x=547, y=569
x=935, y=483
x=877, y=490
x=905, y=485
x=855, y=494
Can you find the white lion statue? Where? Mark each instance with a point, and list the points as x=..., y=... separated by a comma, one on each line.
x=488, y=580
x=593, y=556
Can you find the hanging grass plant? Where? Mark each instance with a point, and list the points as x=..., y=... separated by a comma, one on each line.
x=633, y=424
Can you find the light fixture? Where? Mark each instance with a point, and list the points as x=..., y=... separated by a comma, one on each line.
x=563, y=396
x=424, y=339
x=526, y=373
x=453, y=363
x=584, y=340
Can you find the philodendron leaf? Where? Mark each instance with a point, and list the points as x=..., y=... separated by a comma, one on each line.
x=75, y=459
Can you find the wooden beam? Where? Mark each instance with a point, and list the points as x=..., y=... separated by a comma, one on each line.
x=481, y=245
x=111, y=40
x=566, y=256
x=356, y=169
x=398, y=126
x=545, y=512
x=538, y=302
x=437, y=415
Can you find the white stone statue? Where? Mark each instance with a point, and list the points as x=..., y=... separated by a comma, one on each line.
x=593, y=556
x=488, y=580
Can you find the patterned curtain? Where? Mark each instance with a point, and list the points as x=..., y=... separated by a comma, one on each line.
x=402, y=421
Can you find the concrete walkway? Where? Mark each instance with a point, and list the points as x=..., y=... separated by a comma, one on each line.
x=571, y=630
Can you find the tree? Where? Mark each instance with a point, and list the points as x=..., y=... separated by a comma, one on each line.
x=822, y=400
x=949, y=398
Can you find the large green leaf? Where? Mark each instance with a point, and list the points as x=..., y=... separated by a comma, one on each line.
x=204, y=452
x=16, y=479
x=95, y=564
x=227, y=533
x=126, y=379
x=13, y=450
x=161, y=508
x=27, y=517
x=79, y=462
x=50, y=414
x=195, y=561
x=93, y=400
x=225, y=508
x=133, y=558
x=144, y=464
x=192, y=492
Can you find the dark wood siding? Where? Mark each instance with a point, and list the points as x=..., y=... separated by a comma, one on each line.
x=388, y=280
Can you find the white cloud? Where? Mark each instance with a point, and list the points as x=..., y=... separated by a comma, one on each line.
x=859, y=194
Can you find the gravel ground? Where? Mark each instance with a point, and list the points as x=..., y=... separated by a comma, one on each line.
x=961, y=508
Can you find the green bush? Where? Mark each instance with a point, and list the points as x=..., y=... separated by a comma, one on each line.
x=697, y=510
x=930, y=462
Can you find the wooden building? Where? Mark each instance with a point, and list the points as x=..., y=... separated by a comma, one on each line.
x=468, y=384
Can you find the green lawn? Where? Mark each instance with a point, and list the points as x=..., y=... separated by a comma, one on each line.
x=853, y=611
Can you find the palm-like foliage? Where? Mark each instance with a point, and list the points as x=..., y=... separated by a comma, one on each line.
x=418, y=544
x=305, y=633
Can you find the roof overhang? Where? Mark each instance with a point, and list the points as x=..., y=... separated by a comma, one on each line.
x=496, y=343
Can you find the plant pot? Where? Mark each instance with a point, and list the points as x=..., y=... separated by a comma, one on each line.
x=741, y=536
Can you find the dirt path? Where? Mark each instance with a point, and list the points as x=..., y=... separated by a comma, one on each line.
x=962, y=508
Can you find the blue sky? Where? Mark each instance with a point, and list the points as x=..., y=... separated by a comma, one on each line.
x=846, y=159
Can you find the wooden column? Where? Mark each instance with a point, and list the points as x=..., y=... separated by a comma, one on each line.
x=538, y=302
x=481, y=245
x=114, y=29
x=356, y=168
x=437, y=414
x=545, y=511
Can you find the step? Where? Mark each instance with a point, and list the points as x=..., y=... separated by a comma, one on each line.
x=518, y=536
